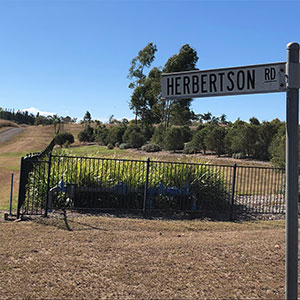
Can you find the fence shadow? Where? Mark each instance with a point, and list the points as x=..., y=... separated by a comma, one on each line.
x=154, y=214
x=63, y=221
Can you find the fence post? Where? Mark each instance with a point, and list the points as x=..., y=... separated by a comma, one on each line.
x=48, y=185
x=232, y=192
x=146, y=184
x=11, y=193
x=21, y=192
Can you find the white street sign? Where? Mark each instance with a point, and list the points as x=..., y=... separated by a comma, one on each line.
x=267, y=78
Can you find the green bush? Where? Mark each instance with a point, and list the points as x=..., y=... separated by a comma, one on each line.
x=124, y=146
x=174, y=139
x=101, y=135
x=158, y=136
x=238, y=155
x=64, y=138
x=115, y=134
x=86, y=135
x=190, y=148
x=133, y=136
x=151, y=148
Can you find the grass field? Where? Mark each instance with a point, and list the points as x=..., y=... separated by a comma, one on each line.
x=121, y=258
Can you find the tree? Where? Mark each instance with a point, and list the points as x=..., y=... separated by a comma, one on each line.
x=223, y=120
x=254, y=121
x=144, y=59
x=266, y=133
x=214, y=139
x=233, y=139
x=56, y=121
x=174, y=139
x=87, y=118
x=277, y=148
x=198, y=139
x=101, y=135
x=136, y=74
x=178, y=112
x=206, y=117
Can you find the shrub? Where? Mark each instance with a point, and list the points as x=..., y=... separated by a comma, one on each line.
x=214, y=139
x=101, y=135
x=115, y=134
x=86, y=135
x=198, y=139
x=158, y=136
x=151, y=148
x=190, y=148
x=64, y=138
x=124, y=146
x=174, y=139
x=133, y=136
x=110, y=146
x=238, y=155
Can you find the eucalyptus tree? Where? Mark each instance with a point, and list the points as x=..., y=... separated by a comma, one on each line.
x=136, y=74
x=178, y=111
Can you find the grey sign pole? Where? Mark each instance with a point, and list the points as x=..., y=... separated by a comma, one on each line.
x=292, y=121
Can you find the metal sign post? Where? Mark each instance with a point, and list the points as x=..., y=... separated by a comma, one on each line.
x=268, y=78
x=292, y=123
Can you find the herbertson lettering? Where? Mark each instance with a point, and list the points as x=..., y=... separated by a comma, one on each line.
x=216, y=82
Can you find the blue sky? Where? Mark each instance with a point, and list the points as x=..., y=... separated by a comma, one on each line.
x=67, y=57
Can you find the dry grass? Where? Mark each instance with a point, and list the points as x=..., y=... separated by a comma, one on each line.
x=33, y=139
x=6, y=123
x=105, y=257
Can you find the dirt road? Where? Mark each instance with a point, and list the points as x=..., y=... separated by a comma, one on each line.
x=8, y=134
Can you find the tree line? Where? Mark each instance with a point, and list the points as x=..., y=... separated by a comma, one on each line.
x=240, y=139
x=24, y=117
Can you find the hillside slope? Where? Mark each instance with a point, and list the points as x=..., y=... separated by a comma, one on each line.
x=32, y=139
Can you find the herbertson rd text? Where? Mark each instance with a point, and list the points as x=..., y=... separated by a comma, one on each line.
x=221, y=82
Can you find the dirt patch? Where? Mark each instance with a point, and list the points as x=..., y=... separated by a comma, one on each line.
x=104, y=257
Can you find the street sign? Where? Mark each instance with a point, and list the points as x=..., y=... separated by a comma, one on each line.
x=267, y=78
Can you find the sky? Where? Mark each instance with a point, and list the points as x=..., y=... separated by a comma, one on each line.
x=69, y=57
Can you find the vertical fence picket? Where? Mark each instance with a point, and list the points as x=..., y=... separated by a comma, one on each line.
x=48, y=185
x=232, y=192
x=146, y=184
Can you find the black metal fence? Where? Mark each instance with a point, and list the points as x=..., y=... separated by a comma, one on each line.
x=101, y=183
x=32, y=166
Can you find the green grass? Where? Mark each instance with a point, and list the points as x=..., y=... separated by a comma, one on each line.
x=17, y=154
x=90, y=150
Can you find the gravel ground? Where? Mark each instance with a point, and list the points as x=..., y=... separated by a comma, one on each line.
x=9, y=133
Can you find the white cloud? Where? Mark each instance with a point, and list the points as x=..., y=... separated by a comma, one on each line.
x=34, y=111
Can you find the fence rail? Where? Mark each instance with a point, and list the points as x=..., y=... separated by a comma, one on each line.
x=54, y=181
